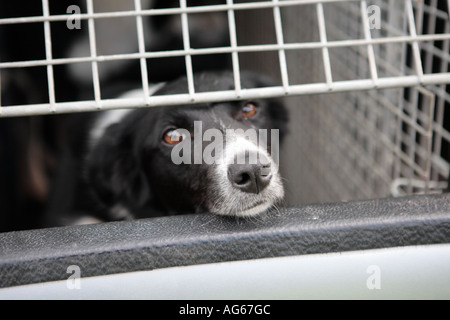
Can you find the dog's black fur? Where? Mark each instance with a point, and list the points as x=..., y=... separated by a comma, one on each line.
x=129, y=173
x=31, y=146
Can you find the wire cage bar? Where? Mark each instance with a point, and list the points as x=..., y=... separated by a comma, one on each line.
x=324, y=44
x=382, y=142
x=367, y=84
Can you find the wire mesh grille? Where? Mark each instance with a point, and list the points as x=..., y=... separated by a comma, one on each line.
x=367, y=82
x=375, y=143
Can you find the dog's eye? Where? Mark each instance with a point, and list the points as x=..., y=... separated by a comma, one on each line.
x=248, y=110
x=173, y=136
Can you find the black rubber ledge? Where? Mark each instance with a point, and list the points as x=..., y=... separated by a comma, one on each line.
x=44, y=255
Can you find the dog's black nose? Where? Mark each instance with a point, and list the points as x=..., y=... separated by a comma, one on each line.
x=251, y=178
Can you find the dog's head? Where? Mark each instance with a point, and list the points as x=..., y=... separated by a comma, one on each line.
x=219, y=157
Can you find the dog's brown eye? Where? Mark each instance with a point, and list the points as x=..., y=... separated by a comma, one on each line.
x=249, y=110
x=173, y=136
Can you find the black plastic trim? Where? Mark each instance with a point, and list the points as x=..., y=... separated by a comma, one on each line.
x=44, y=255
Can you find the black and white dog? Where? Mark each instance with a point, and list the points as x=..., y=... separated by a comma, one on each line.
x=125, y=167
x=31, y=146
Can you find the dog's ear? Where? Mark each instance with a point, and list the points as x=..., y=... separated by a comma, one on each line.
x=114, y=171
x=250, y=79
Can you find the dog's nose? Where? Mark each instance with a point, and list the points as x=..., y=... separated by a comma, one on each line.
x=251, y=178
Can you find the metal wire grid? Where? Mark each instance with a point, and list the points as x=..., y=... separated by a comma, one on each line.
x=324, y=44
x=367, y=137
x=375, y=143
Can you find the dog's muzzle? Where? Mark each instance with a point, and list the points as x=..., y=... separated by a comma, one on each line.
x=246, y=181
